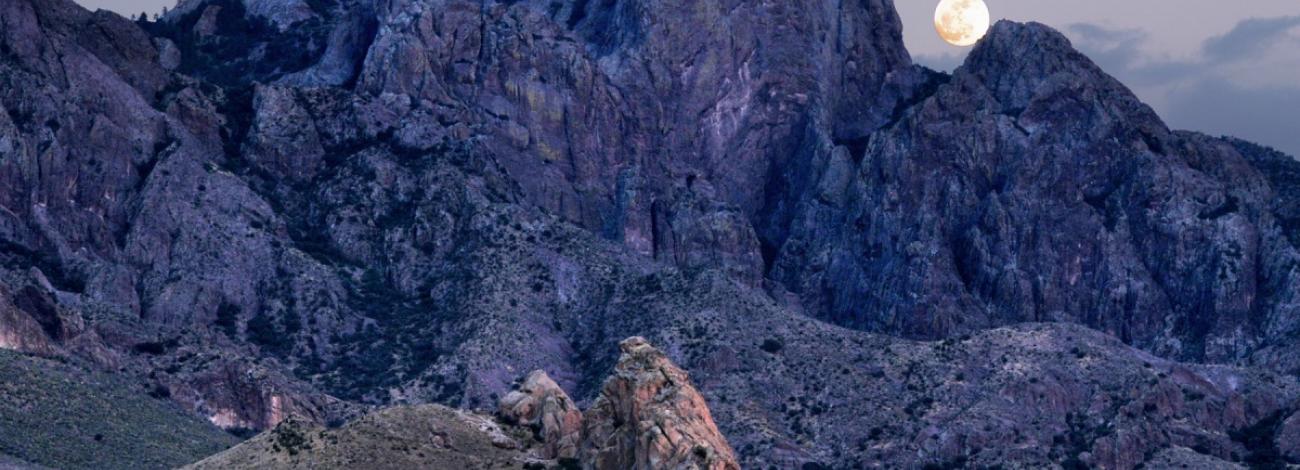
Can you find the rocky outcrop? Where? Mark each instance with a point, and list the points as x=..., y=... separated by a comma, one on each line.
x=1059, y=394
x=649, y=416
x=575, y=97
x=32, y=318
x=541, y=405
x=19, y=331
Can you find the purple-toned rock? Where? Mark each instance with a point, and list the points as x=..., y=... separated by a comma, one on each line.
x=20, y=331
x=1288, y=438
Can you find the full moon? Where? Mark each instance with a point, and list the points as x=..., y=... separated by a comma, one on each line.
x=961, y=22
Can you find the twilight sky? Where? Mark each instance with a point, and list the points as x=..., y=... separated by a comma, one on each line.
x=130, y=8
x=1217, y=66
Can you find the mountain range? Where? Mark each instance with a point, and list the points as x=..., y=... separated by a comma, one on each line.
x=325, y=218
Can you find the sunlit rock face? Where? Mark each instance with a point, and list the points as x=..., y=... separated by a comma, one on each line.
x=541, y=405
x=649, y=416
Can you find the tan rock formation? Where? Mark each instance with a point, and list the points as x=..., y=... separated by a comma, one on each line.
x=649, y=416
x=542, y=405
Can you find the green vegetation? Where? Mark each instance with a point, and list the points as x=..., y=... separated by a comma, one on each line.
x=772, y=345
x=62, y=416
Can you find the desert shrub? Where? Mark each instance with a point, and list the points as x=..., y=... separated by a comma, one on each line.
x=772, y=345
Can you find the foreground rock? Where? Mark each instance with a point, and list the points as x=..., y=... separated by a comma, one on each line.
x=649, y=416
x=1032, y=396
x=541, y=405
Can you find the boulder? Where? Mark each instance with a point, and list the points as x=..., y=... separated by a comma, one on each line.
x=649, y=416
x=540, y=404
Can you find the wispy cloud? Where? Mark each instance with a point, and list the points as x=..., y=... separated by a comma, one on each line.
x=1245, y=82
x=1110, y=46
x=1252, y=36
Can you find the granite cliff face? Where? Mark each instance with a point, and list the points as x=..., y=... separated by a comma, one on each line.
x=274, y=209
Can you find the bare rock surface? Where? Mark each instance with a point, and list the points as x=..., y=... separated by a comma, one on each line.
x=21, y=331
x=1182, y=457
x=541, y=405
x=649, y=416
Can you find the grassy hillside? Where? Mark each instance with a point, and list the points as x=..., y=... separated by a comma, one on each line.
x=63, y=416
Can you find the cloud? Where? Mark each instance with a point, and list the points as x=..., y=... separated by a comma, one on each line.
x=1250, y=37
x=1109, y=47
x=1244, y=83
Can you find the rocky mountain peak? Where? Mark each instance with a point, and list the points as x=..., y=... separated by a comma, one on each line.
x=1017, y=61
x=1038, y=47
x=649, y=416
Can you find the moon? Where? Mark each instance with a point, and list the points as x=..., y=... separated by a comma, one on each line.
x=961, y=22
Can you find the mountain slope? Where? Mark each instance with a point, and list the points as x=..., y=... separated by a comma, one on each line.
x=64, y=416
x=830, y=164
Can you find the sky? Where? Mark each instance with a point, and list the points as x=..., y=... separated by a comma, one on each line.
x=131, y=8
x=1223, y=67
x=1217, y=66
